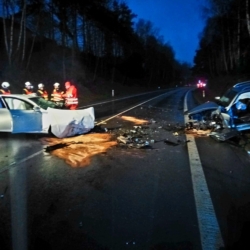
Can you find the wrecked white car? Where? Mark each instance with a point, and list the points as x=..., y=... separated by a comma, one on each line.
x=32, y=114
x=227, y=116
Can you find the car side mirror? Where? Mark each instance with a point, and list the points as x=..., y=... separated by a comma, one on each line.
x=36, y=109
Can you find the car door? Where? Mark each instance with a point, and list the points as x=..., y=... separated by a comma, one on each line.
x=26, y=117
x=6, y=119
x=243, y=122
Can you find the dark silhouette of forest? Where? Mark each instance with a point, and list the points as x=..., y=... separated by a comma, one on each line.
x=91, y=42
x=224, y=49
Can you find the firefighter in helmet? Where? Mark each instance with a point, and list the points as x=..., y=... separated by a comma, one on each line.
x=28, y=89
x=71, y=96
x=5, y=90
x=57, y=95
x=42, y=92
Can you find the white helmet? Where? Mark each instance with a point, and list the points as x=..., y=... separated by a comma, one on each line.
x=5, y=85
x=40, y=85
x=56, y=85
x=27, y=84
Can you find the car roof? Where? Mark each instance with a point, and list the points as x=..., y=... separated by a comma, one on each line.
x=242, y=86
x=19, y=95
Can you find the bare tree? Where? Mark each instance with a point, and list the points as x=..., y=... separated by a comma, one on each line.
x=247, y=16
x=8, y=16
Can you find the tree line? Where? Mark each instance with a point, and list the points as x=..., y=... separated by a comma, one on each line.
x=225, y=40
x=73, y=38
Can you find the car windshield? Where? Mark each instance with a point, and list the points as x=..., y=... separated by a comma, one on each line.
x=41, y=102
x=226, y=99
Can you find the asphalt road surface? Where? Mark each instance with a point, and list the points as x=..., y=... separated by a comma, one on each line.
x=181, y=191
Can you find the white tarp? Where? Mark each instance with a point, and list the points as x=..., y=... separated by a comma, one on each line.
x=66, y=123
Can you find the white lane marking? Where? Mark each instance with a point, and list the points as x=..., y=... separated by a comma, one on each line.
x=132, y=108
x=210, y=233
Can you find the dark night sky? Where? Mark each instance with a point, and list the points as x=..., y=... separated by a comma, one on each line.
x=179, y=21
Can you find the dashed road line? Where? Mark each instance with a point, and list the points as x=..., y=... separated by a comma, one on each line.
x=210, y=234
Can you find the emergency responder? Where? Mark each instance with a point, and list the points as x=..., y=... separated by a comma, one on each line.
x=5, y=90
x=28, y=89
x=42, y=92
x=57, y=95
x=71, y=98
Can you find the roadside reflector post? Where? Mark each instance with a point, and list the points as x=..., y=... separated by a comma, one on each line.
x=113, y=102
x=203, y=93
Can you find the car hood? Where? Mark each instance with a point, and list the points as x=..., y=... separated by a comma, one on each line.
x=67, y=123
x=203, y=107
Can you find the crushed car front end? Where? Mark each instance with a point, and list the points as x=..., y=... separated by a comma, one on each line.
x=227, y=116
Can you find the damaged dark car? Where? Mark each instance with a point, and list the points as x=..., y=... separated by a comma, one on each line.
x=227, y=116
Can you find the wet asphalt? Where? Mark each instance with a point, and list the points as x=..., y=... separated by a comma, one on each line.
x=127, y=198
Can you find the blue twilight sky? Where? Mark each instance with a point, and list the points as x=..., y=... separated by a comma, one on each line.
x=179, y=21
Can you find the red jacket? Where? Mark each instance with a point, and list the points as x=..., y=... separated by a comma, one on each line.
x=71, y=97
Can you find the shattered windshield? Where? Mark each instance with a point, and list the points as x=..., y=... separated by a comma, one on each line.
x=226, y=99
x=44, y=104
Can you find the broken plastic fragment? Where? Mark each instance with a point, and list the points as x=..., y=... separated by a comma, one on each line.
x=170, y=142
x=122, y=139
x=56, y=146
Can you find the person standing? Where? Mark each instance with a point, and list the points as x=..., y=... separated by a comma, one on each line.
x=27, y=90
x=5, y=90
x=57, y=95
x=71, y=96
x=42, y=92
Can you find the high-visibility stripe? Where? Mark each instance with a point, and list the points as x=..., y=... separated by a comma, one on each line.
x=70, y=101
x=27, y=92
x=5, y=92
x=57, y=96
x=43, y=94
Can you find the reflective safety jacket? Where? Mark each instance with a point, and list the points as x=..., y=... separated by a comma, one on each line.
x=5, y=92
x=27, y=91
x=43, y=93
x=70, y=96
x=57, y=95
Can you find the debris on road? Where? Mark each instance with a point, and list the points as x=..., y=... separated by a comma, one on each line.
x=60, y=145
x=170, y=142
x=145, y=136
x=56, y=146
x=127, y=132
x=137, y=133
